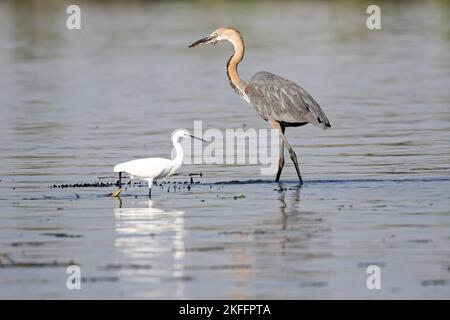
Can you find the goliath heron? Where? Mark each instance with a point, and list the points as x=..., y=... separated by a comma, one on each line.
x=277, y=100
x=151, y=169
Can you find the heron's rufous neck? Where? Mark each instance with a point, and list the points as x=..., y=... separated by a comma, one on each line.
x=235, y=81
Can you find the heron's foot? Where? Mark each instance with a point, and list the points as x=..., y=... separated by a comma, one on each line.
x=116, y=194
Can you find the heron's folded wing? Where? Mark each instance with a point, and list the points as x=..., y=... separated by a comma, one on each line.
x=280, y=99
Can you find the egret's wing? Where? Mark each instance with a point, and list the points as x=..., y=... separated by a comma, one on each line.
x=280, y=99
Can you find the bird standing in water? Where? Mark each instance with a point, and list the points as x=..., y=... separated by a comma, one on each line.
x=151, y=169
x=277, y=100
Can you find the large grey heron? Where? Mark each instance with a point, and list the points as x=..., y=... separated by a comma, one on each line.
x=277, y=100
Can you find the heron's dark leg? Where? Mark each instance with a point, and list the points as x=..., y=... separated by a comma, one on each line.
x=294, y=159
x=281, y=155
x=120, y=180
x=291, y=151
x=277, y=126
x=150, y=192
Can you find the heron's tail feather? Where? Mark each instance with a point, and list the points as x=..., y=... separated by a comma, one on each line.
x=321, y=121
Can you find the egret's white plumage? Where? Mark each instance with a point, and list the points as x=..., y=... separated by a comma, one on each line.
x=151, y=169
x=148, y=169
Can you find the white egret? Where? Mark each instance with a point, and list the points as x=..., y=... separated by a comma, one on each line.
x=151, y=169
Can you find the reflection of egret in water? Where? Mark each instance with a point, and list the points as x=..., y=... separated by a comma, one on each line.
x=152, y=241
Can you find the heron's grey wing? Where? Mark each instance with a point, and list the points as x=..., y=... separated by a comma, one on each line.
x=280, y=99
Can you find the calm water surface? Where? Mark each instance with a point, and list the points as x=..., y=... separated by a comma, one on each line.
x=377, y=184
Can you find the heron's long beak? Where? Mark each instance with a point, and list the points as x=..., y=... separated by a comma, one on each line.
x=194, y=137
x=206, y=40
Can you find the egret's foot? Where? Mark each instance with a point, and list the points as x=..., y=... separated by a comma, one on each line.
x=119, y=182
x=116, y=194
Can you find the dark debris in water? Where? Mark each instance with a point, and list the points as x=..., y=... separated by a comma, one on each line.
x=220, y=267
x=196, y=174
x=435, y=282
x=85, y=185
x=244, y=182
x=282, y=189
x=126, y=266
x=420, y=240
x=7, y=262
x=100, y=279
x=174, y=185
x=201, y=249
x=29, y=244
x=62, y=235
x=370, y=263
x=245, y=233
x=179, y=278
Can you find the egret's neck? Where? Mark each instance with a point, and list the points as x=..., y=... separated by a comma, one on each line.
x=179, y=154
x=235, y=81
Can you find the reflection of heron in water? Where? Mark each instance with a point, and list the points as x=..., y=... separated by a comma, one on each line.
x=148, y=235
x=293, y=205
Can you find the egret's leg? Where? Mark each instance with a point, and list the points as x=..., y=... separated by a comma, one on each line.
x=150, y=184
x=120, y=180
